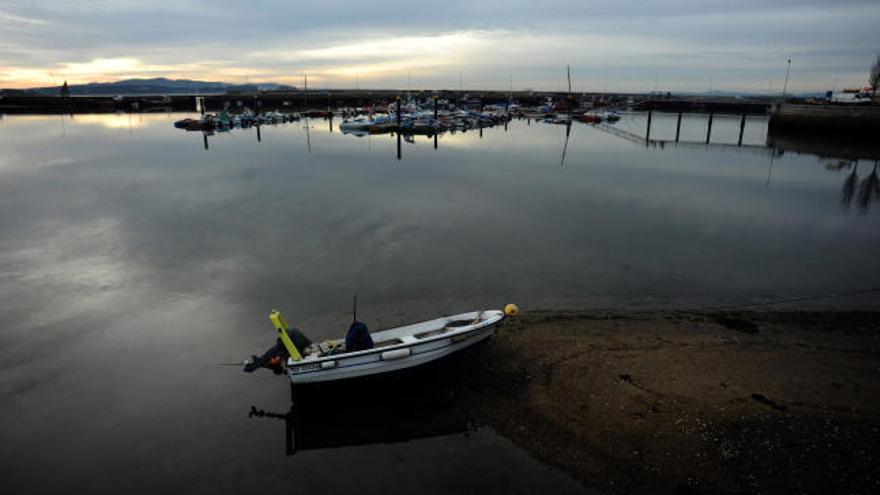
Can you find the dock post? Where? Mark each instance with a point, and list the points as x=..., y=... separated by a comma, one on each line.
x=306, y=92
x=648, y=132
x=205, y=136
x=678, y=127
x=398, y=143
x=259, y=138
x=742, y=126
x=435, y=141
x=709, y=128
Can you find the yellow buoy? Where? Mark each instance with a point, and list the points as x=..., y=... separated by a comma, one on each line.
x=511, y=310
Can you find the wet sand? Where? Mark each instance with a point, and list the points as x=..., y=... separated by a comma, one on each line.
x=666, y=402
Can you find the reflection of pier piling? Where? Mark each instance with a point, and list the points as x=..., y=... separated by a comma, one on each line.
x=709, y=128
x=678, y=127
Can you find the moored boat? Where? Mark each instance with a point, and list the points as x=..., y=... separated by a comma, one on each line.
x=391, y=350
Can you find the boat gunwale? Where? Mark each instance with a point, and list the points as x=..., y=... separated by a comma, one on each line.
x=379, y=350
x=291, y=374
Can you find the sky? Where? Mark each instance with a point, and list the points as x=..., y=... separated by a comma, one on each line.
x=622, y=45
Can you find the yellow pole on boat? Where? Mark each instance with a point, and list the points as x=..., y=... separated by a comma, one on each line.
x=281, y=327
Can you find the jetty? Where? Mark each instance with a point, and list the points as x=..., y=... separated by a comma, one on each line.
x=840, y=119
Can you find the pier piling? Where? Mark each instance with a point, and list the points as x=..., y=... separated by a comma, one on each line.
x=678, y=127
x=709, y=128
x=742, y=126
x=648, y=132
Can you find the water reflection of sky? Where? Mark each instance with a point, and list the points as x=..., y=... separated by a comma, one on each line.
x=616, y=223
x=131, y=248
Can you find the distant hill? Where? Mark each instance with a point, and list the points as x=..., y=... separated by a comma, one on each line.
x=159, y=86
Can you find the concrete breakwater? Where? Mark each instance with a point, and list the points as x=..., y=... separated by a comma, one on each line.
x=850, y=119
x=335, y=99
x=697, y=104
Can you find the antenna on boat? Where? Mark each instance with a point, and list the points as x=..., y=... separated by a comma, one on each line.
x=354, y=317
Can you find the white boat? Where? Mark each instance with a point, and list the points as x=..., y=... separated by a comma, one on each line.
x=398, y=348
x=357, y=124
x=393, y=349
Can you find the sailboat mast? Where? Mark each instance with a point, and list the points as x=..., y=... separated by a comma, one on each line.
x=568, y=73
x=570, y=101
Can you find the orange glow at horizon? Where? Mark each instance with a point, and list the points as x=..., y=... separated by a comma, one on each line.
x=367, y=60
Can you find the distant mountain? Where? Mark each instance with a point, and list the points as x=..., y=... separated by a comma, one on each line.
x=160, y=86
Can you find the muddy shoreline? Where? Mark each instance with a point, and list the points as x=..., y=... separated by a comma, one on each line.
x=668, y=402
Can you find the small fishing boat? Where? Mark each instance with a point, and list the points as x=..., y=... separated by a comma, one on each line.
x=393, y=349
x=597, y=117
x=590, y=118
x=356, y=124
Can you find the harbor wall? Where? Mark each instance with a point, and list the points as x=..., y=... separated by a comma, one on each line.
x=729, y=105
x=842, y=119
x=334, y=99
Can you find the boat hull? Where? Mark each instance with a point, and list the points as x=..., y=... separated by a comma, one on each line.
x=381, y=360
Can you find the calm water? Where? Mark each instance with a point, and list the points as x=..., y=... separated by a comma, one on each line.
x=133, y=261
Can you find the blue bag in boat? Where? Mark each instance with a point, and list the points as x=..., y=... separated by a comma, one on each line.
x=358, y=338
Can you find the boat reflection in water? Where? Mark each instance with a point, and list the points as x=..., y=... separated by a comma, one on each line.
x=423, y=402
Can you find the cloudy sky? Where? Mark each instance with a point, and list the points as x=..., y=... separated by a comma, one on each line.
x=623, y=45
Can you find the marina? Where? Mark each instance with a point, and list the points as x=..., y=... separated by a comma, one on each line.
x=288, y=215
x=580, y=247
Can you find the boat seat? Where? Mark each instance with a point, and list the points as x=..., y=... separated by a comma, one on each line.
x=386, y=343
x=431, y=333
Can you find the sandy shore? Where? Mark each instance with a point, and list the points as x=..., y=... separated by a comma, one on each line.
x=690, y=403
